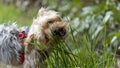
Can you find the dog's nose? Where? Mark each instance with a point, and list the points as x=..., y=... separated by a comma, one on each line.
x=60, y=32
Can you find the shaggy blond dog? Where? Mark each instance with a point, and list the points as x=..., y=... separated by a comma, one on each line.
x=41, y=37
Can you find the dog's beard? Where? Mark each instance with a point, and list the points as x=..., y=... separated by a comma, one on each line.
x=10, y=45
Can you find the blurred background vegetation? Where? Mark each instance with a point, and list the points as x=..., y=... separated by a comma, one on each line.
x=95, y=29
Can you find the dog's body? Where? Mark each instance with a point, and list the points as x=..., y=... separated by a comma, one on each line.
x=41, y=34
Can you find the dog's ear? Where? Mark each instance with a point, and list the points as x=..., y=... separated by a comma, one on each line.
x=41, y=11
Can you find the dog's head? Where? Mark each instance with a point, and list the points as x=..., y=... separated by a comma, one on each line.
x=47, y=25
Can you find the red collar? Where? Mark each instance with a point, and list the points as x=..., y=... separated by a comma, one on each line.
x=22, y=35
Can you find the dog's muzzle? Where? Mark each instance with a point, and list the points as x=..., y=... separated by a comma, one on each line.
x=60, y=32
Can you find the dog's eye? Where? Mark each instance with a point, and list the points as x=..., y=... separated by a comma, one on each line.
x=50, y=22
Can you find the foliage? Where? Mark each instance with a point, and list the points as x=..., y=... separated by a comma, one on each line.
x=93, y=27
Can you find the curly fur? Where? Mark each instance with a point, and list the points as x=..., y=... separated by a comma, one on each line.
x=9, y=45
x=42, y=32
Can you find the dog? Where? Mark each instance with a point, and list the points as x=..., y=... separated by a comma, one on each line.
x=11, y=48
x=42, y=31
x=29, y=47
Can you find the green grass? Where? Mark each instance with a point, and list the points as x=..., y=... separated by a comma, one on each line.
x=74, y=52
x=80, y=54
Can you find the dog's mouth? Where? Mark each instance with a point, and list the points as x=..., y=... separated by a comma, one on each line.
x=61, y=32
